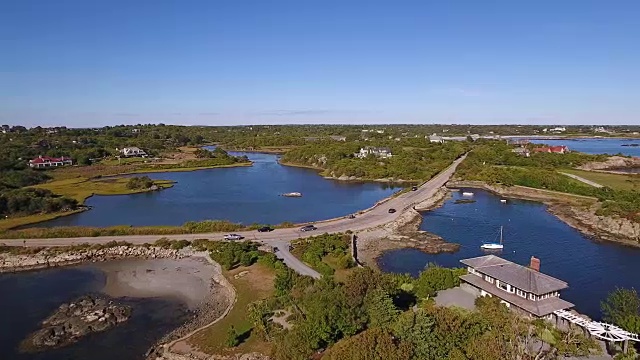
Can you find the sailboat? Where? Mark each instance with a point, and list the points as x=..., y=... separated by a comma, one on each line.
x=493, y=246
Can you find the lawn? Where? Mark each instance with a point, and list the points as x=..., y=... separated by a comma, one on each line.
x=83, y=188
x=614, y=181
x=256, y=284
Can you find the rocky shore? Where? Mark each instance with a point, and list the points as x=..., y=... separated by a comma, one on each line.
x=50, y=257
x=74, y=320
x=579, y=212
x=403, y=233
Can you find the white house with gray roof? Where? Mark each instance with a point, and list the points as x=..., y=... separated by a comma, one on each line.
x=524, y=289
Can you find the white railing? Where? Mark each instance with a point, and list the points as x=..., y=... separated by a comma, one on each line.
x=600, y=330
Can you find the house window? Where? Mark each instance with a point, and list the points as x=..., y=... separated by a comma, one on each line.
x=503, y=286
x=532, y=297
x=521, y=293
x=488, y=279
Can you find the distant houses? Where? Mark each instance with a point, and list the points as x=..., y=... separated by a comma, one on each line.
x=561, y=149
x=45, y=162
x=133, y=151
x=338, y=138
x=381, y=152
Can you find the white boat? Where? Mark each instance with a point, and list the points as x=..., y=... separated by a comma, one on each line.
x=493, y=246
x=504, y=201
x=467, y=194
x=292, y=194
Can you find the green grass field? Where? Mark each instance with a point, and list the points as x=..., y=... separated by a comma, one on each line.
x=82, y=188
x=614, y=181
x=254, y=285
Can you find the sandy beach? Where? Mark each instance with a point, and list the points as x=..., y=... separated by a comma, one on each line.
x=189, y=280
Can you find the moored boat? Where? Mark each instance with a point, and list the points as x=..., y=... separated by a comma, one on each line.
x=292, y=194
x=493, y=246
x=466, y=193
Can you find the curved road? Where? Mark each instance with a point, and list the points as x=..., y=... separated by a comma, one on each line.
x=378, y=215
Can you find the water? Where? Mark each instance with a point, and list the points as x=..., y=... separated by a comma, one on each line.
x=28, y=298
x=592, y=269
x=243, y=194
x=596, y=146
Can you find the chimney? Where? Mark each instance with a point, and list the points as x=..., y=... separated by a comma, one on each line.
x=535, y=264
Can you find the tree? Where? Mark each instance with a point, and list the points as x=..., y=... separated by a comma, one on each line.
x=622, y=308
x=435, y=278
x=233, y=339
x=258, y=312
x=380, y=309
x=374, y=343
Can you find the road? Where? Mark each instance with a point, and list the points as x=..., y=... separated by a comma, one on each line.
x=580, y=178
x=377, y=215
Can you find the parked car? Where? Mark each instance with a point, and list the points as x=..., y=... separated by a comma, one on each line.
x=414, y=188
x=233, y=237
x=265, y=229
x=352, y=216
x=275, y=248
x=391, y=211
x=308, y=228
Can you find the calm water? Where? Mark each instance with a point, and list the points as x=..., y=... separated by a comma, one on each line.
x=597, y=146
x=591, y=269
x=28, y=298
x=244, y=194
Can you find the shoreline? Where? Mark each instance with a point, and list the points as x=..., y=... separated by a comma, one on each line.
x=170, y=184
x=576, y=211
x=350, y=178
x=403, y=233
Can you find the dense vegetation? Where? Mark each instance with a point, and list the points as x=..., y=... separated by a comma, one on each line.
x=315, y=249
x=371, y=316
x=418, y=161
x=495, y=163
x=139, y=182
x=28, y=201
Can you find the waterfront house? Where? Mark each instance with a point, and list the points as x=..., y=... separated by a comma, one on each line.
x=44, y=162
x=133, y=151
x=381, y=152
x=561, y=149
x=338, y=138
x=436, y=139
x=523, y=289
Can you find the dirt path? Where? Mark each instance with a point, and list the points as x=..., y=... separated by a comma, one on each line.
x=580, y=178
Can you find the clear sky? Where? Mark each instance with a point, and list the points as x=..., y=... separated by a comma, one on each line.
x=99, y=62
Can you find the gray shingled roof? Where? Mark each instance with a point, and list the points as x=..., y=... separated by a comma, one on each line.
x=516, y=275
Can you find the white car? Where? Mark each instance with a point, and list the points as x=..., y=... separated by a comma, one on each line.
x=233, y=237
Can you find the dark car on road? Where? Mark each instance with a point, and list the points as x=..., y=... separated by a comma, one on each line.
x=414, y=188
x=265, y=229
x=391, y=211
x=308, y=228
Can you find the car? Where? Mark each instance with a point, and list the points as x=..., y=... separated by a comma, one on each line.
x=275, y=248
x=352, y=216
x=265, y=229
x=233, y=237
x=414, y=188
x=391, y=211
x=308, y=228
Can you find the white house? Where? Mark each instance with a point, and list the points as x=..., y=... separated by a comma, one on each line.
x=558, y=129
x=436, y=139
x=133, y=151
x=381, y=152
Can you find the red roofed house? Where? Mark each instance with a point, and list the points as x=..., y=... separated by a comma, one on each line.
x=43, y=162
x=552, y=149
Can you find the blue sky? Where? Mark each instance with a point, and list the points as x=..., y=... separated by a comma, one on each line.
x=87, y=63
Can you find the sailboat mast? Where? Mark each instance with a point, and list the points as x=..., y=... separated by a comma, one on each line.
x=500, y=235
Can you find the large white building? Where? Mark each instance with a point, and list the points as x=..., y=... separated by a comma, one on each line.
x=133, y=151
x=381, y=152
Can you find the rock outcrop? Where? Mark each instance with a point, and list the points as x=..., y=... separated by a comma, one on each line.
x=614, y=162
x=74, y=320
x=50, y=257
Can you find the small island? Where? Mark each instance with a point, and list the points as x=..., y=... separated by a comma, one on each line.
x=74, y=320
